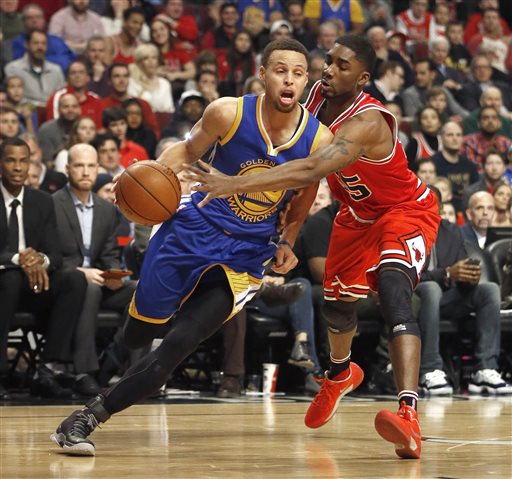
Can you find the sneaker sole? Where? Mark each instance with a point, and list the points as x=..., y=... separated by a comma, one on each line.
x=475, y=389
x=82, y=449
x=444, y=391
x=405, y=445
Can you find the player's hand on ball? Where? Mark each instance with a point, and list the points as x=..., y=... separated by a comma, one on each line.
x=214, y=183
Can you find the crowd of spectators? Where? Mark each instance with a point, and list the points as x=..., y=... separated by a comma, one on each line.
x=111, y=80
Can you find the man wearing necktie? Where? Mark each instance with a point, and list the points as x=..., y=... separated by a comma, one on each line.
x=31, y=278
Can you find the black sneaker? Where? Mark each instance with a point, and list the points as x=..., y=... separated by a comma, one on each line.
x=72, y=433
x=300, y=355
x=229, y=387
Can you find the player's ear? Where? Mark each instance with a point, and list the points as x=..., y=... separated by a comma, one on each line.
x=261, y=73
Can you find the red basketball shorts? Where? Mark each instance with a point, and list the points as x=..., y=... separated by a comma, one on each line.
x=403, y=235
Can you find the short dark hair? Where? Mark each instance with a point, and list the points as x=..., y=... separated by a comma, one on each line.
x=422, y=161
x=131, y=11
x=283, y=44
x=492, y=151
x=227, y=5
x=109, y=115
x=117, y=65
x=363, y=49
x=102, y=138
x=431, y=65
x=390, y=65
x=481, y=112
x=32, y=32
x=15, y=141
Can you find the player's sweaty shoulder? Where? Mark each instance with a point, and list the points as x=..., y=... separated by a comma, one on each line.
x=221, y=114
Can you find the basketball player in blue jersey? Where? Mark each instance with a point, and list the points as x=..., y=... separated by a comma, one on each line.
x=204, y=264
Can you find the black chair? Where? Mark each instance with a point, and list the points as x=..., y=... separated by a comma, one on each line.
x=498, y=252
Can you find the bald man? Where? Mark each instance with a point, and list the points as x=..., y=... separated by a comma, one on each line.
x=54, y=133
x=87, y=227
x=479, y=212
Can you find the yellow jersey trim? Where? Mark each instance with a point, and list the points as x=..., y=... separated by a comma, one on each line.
x=316, y=140
x=134, y=313
x=271, y=151
x=236, y=123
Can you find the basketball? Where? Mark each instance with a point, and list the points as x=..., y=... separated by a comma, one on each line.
x=148, y=192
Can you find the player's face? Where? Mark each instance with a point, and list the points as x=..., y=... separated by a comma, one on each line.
x=343, y=73
x=83, y=170
x=285, y=79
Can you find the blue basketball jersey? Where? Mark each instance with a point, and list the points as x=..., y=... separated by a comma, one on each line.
x=232, y=235
x=247, y=149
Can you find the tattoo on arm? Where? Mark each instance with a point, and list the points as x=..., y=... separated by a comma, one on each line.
x=340, y=146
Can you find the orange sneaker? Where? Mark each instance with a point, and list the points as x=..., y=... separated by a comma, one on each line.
x=402, y=429
x=325, y=403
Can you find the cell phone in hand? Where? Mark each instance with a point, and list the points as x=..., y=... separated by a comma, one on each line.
x=473, y=261
x=116, y=273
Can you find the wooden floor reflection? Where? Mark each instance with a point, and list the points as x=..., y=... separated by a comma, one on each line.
x=264, y=438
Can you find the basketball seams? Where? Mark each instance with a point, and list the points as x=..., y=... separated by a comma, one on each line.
x=170, y=176
x=129, y=207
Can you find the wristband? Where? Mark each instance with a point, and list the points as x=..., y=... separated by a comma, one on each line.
x=287, y=243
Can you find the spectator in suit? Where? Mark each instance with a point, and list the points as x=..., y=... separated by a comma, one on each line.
x=33, y=19
x=479, y=80
x=480, y=212
x=447, y=76
x=87, y=226
x=414, y=96
x=49, y=180
x=40, y=76
x=31, y=277
x=450, y=287
x=53, y=134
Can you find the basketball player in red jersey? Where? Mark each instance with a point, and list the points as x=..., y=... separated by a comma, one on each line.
x=381, y=236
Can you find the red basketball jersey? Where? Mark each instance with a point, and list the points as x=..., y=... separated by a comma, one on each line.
x=370, y=187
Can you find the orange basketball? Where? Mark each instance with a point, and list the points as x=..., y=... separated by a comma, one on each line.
x=148, y=192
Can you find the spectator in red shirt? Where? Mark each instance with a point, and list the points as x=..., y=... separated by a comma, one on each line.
x=78, y=81
x=119, y=75
x=474, y=24
x=184, y=26
x=220, y=38
x=115, y=121
x=177, y=66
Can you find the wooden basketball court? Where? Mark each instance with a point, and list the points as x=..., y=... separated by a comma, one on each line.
x=261, y=438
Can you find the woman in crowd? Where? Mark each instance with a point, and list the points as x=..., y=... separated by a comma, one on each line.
x=237, y=64
x=424, y=142
x=502, y=199
x=145, y=82
x=138, y=131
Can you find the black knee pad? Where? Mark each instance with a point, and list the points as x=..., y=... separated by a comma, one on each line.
x=395, y=295
x=340, y=316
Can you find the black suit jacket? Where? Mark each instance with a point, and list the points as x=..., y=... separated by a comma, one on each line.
x=469, y=95
x=39, y=226
x=449, y=249
x=53, y=181
x=104, y=252
x=468, y=233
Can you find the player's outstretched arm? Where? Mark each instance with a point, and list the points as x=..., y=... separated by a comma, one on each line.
x=365, y=134
x=215, y=123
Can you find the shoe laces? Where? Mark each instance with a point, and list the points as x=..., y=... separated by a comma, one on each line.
x=84, y=424
x=326, y=395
